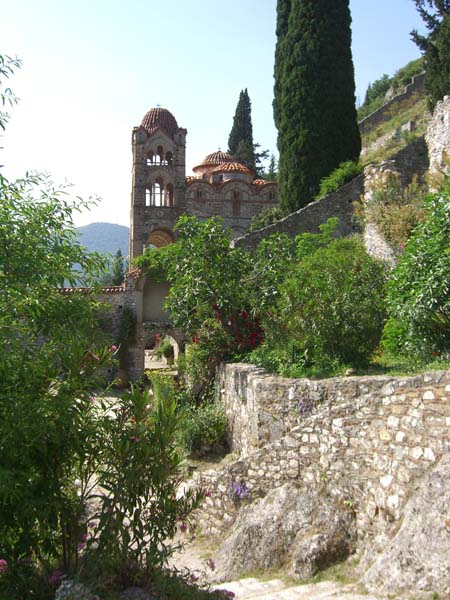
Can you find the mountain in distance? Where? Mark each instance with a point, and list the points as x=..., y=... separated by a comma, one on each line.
x=104, y=238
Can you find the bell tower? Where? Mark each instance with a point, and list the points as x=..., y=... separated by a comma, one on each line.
x=158, y=180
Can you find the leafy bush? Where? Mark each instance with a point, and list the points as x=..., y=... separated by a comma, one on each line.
x=331, y=305
x=419, y=287
x=336, y=179
x=395, y=210
x=202, y=425
x=265, y=217
x=140, y=469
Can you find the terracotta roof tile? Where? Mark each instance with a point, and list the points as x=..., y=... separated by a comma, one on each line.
x=232, y=167
x=160, y=117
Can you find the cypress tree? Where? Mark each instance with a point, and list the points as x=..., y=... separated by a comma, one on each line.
x=435, y=47
x=240, y=140
x=314, y=105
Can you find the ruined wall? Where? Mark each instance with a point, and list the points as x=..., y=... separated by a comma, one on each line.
x=364, y=440
x=337, y=204
x=438, y=135
x=384, y=113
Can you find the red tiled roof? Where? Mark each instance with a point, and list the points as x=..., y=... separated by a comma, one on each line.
x=232, y=167
x=113, y=289
x=160, y=117
x=216, y=158
x=263, y=182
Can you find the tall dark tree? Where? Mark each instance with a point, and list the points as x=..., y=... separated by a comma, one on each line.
x=314, y=105
x=435, y=47
x=240, y=140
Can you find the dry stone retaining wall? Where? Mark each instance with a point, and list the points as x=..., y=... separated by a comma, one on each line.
x=384, y=113
x=438, y=135
x=365, y=441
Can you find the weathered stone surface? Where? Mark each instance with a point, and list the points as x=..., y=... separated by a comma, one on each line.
x=136, y=593
x=307, y=529
x=71, y=590
x=418, y=557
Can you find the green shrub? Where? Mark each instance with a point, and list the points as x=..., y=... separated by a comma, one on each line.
x=336, y=179
x=331, y=306
x=419, y=287
x=265, y=217
x=202, y=425
x=395, y=210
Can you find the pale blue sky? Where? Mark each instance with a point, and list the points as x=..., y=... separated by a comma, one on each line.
x=92, y=69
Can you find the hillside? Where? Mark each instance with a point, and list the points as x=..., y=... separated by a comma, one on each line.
x=104, y=238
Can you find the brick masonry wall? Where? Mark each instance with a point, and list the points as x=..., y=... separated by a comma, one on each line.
x=363, y=440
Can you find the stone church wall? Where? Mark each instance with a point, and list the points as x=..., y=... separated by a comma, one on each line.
x=364, y=440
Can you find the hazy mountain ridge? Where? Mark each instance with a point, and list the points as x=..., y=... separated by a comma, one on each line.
x=104, y=237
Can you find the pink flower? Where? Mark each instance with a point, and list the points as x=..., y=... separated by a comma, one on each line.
x=3, y=566
x=113, y=348
x=91, y=399
x=81, y=546
x=183, y=527
x=55, y=577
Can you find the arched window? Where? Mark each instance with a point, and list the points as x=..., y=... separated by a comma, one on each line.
x=235, y=194
x=169, y=195
x=169, y=158
x=160, y=153
x=199, y=194
x=271, y=195
x=148, y=197
x=158, y=195
x=150, y=158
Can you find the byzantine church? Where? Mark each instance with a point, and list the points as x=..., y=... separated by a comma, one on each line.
x=161, y=191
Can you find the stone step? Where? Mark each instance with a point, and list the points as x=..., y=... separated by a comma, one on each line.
x=275, y=589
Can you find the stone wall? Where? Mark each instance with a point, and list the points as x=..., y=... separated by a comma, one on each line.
x=438, y=135
x=363, y=440
x=385, y=112
x=337, y=204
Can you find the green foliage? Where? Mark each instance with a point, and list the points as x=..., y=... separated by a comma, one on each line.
x=7, y=67
x=203, y=270
x=165, y=349
x=210, y=346
x=52, y=354
x=330, y=306
x=419, y=289
x=316, y=122
x=395, y=210
x=202, y=425
x=265, y=217
x=435, y=47
x=345, y=172
x=140, y=470
x=376, y=92
x=127, y=334
x=404, y=75
x=240, y=140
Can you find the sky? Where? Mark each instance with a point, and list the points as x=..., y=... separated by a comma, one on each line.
x=93, y=68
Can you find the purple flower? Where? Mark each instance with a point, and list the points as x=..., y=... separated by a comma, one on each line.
x=92, y=525
x=55, y=577
x=91, y=399
x=81, y=546
x=183, y=527
x=240, y=490
x=3, y=566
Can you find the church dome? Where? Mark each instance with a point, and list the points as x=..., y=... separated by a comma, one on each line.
x=160, y=117
x=232, y=167
x=216, y=158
